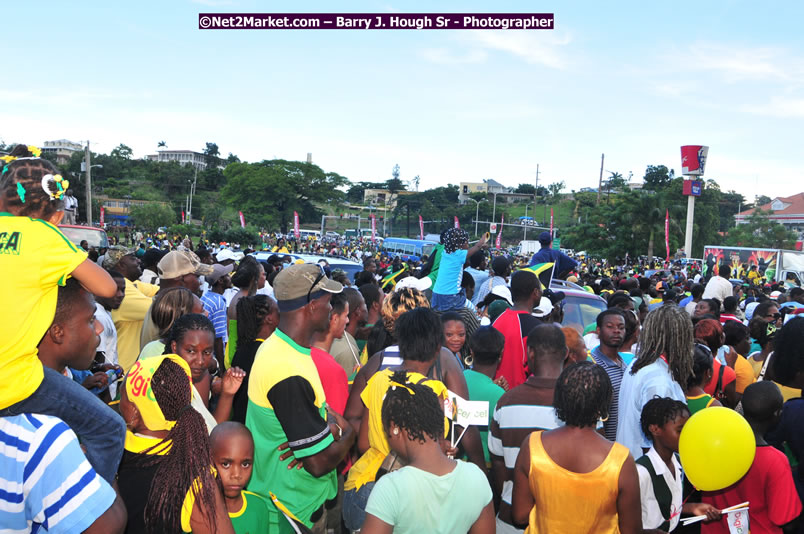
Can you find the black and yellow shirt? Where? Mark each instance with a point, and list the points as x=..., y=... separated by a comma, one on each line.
x=35, y=259
x=286, y=403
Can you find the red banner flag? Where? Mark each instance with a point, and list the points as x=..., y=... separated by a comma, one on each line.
x=457, y=224
x=103, y=212
x=182, y=216
x=421, y=227
x=296, y=224
x=499, y=234
x=242, y=220
x=551, y=223
x=667, y=232
x=373, y=227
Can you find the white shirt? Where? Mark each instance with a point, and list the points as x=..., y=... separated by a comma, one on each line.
x=108, y=340
x=149, y=277
x=651, y=515
x=690, y=307
x=718, y=288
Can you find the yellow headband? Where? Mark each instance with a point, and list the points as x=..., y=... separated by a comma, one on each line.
x=139, y=391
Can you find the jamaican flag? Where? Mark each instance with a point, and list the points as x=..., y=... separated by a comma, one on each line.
x=390, y=280
x=543, y=271
x=295, y=523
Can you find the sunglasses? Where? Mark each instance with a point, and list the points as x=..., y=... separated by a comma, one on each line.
x=320, y=277
x=774, y=315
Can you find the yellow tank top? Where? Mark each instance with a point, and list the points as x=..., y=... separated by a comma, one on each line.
x=573, y=502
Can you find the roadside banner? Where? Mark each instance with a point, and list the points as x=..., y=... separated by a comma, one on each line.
x=457, y=224
x=242, y=219
x=421, y=228
x=296, y=224
x=499, y=234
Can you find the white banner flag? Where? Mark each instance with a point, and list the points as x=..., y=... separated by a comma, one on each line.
x=466, y=412
x=738, y=522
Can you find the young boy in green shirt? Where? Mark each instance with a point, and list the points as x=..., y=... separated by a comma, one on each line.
x=233, y=453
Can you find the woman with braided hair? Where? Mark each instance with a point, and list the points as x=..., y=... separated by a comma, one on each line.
x=432, y=493
x=166, y=477
x=572, y=479
x=663, y=366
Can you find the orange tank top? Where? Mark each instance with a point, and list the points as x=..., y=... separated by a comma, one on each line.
x=573, y=502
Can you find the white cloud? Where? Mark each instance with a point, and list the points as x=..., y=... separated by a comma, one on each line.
x=533, y=47
x=447, y=57
x=778, y=107
x=739, y=63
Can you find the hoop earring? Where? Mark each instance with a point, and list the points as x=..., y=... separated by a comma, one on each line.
x=604, y=419
x=469, y=360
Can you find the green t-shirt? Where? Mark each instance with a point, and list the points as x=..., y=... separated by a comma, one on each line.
x=415, y=501
x=483, y=388
x=253, y=517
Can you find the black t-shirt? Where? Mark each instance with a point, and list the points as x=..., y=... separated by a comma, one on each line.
x=244, y=359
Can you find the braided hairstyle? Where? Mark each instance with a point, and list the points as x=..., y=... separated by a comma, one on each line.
x=661, y=410
x=251, y=312
x=188, y=459
x=169, y=305
x=22, y=179
x=184, y=324
x=667, y=333
x=419, y=414
x=582, y=394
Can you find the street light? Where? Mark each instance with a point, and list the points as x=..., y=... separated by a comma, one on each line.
x=494, y=209
x=477, y=210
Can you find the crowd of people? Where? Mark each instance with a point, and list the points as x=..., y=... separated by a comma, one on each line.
x=182, y=389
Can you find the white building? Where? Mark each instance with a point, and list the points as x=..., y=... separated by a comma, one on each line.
x=184, y=157
x=63, y=149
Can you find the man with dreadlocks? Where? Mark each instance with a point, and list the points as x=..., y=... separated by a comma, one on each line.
x=662, y=365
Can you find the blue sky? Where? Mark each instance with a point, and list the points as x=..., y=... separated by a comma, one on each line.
x=632, y=80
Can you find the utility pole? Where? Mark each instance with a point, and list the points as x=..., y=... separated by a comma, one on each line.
x=600, y=181
x=89, y=186
x=536, y=192
x=192, y=192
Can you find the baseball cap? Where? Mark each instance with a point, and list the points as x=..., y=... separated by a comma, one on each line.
x=114, y=254
x=504, y=292
x=774, y=294
x=544, y=308
x=178, y=263
x=296, y=285
x=218, y=272
x=661, y=286
x=545, y=237
x=225, y=254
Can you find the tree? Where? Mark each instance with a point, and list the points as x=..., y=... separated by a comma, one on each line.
x=616, y=182
x=657, y=177
x=556, y=187
x=525, y=189
x=121, y=152
x=153, y=215
x=270, y=191
x=394, y=185
x=762, y=200
x=761, y=232
x=212, y=154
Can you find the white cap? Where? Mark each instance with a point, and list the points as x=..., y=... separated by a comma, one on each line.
x=421, y=284
x=225, y=254
x=504, y=292
x=544, y=308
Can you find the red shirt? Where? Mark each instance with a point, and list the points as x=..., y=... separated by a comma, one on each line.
x=729, y=376
x=769, y=487
x=333, y=379
x=515, y=326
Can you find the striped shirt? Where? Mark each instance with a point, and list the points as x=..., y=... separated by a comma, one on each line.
x=520, y=411
x=615, y=371
x=46, y=481
x=215, y=305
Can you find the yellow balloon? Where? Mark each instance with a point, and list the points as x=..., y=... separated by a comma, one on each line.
x=717, y=448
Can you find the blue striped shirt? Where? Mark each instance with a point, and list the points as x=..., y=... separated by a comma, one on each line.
x=46, y=482
x=216, y=308
x=615, y=371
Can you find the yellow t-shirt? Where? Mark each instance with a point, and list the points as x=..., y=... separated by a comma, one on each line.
x=787, y=393
x=744, y=372
x=128, y=319
x=35, y=259
x=365, y=469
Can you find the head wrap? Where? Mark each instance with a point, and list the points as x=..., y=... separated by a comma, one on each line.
x=139, y=391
